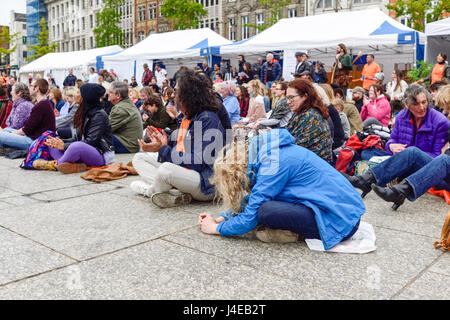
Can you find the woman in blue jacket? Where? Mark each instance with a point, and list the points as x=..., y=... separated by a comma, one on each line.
x=282, y=186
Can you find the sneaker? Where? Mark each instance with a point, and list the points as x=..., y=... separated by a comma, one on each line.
x=140, y=187
x=69, y=167
x=41, y=164
x=277, y=236
x=167, y=200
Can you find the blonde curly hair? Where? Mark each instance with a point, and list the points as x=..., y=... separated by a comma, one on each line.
x=230, y=178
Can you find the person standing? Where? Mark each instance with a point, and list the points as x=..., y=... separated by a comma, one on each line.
x=270, y=71
x=205, y=69
x=321, y=73
x=342, y=67
x=302, y=64
x=160, y=75
x=257, y=68
x=93, y=76
x=440, y=70
x=146, y=76
x=125, y=119
x=241, y=61
x=368, y=73
x=70, y=80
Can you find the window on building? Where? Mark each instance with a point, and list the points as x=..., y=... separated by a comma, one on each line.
x=360, y=1
x=62, y=10
x=91, y=3
x=62, y=27
x=53, y=12
x=97, y=2
x=217, y=2
x=83, y=43
x=141, y=13
x=325, y=4
x=211, y=24
x=152, y=11
x=141, y=35
x=54, y=33
x=73, y=45
x=231, y=32
x=160, y=4
x=57, y=30
x=292, y=13
x=206, y=3
x=245, y=27
x=24, y=26
x=259, y=20
x=91, y=21
x=404, y=21
x=83, y=5
x=92, y=42
x=73, y=26
x=83, y=23
x=78, y=44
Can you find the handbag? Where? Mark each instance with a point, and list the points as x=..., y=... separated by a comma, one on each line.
x=444, y=243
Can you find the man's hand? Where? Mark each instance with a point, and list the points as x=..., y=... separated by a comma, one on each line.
x=153, y=146
x=55, y=143
x=397, y=147
x=155, y=134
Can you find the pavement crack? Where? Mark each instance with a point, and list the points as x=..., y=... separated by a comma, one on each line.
x=421, y=273
x=39, y=243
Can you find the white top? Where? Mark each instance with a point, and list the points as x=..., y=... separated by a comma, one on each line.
x=160, y=76
x=396, y=93
x=93, y=77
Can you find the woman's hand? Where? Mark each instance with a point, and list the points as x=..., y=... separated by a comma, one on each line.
x=55, y=143
x=397, y=147
x=56, y=112
x=207, y=224
x=144, y=117
x=155, y=134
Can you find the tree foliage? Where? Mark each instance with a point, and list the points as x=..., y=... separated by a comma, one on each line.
x=7, y=42
x=184, y=14
x=420, y=12
x=42, y=47
x=275, y=13
x=107, y=32
x=423, y=71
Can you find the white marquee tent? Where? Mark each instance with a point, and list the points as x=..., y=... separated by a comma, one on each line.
x=188, y=45
x=59, y=63
x=371, y=31
x=438, y=39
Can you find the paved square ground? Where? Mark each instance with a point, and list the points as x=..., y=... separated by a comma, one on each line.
x=66, y=238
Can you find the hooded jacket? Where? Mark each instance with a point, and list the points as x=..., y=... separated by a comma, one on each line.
x=281, y=171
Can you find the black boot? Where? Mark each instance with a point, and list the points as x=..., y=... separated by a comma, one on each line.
x=362, y=181
x=396, y=194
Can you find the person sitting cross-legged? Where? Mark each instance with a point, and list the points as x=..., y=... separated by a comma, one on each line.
x=93, y=145
x=282, y=186
x=178, y=169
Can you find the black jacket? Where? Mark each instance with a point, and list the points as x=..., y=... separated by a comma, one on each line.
x=96, y=130
x=338, y=134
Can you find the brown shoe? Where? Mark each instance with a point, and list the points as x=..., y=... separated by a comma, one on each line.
x=41, y=164
x=277, y=236
x=167, y=200
x=69, y=167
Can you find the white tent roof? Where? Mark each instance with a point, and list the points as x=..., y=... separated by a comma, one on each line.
x=175, y=44
x=67, y=60
x=361, y=28
x=438, y=28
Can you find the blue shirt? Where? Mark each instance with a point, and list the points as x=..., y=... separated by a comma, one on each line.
x=231, y=103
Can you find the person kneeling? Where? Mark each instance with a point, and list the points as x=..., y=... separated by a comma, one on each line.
x=281, y=186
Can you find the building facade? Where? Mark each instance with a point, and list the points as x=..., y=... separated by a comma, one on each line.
x=237, y=15
x=214, y=18
x=36, y=10
x=18, y=24
x=127, y=22
x=148, y=19
x=327, y=6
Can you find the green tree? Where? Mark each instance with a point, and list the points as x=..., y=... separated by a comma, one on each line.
x=7, y=42
x=42, y=47
x=107, y=32
x=420, y=12
x=184, y=14
x=275, y=13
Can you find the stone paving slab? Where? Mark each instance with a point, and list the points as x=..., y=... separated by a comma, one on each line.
x=6, y=193
x=430, y=286
x=425, y=219
x=377, y=275
x=95, y=224
x=72, y=192
x=442, y=266
x=161, y=270
x=21, y=257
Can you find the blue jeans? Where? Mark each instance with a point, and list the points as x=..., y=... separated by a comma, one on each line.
x=8, y=139
x=118, y=147
x=297, y=218
x=368, y=153
x=418, y=168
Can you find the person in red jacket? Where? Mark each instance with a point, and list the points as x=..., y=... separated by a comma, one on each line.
x=147, y=76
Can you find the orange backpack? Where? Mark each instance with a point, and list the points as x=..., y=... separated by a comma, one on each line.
x=445, y=236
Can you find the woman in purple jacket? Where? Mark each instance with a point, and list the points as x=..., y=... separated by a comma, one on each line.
x=418, y=125
x=21, y=109
x=419, y=169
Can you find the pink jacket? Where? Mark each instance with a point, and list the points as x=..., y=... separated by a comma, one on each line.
x=379, y=109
